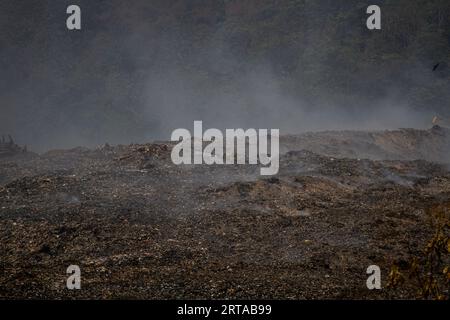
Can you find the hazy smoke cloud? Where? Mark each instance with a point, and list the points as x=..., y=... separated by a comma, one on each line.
x=139, y=70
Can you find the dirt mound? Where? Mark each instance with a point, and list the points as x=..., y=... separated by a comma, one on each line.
x=144, y=156
x=141, y=227
x=404, y=144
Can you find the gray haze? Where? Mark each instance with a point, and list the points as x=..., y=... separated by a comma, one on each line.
x=140, y=69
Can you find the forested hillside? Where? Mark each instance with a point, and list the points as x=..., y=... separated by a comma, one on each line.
x=139, y=69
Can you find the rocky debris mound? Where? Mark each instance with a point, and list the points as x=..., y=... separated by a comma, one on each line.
x=403, y=144
x=143, y=156
x=224, y=230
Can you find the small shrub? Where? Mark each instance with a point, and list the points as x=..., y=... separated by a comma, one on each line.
x=430, y=271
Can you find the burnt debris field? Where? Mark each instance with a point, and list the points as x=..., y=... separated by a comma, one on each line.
x=141, y=227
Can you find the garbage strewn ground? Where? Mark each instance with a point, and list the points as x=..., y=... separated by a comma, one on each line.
x=140, y=227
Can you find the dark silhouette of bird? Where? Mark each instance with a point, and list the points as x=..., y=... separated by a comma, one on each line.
x=436, y=66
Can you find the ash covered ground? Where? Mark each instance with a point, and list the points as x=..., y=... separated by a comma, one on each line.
x=140, y=227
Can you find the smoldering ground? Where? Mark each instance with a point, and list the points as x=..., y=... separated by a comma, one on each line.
x=141, y=227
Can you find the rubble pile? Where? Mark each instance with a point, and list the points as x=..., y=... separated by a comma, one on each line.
x=403, y=144
x=142, y=156
x=140, y=227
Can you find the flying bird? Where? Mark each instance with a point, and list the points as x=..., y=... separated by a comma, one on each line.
x=436, y=66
